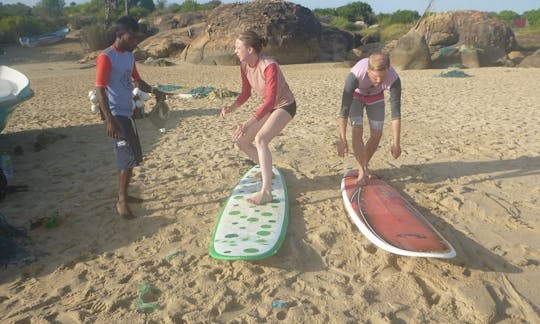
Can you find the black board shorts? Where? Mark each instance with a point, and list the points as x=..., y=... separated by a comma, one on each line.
x=127, y=146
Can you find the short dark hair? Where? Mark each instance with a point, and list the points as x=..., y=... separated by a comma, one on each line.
x=126, y=24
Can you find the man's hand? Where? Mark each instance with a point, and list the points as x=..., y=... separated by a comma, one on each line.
x=395, y=149
x=112, y=129
x=342, y=147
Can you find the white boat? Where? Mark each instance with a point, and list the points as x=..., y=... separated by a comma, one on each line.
x=49, y=38
x=14, y=89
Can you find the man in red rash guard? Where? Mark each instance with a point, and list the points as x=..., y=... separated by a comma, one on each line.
x=264, y=76
x=115, y=72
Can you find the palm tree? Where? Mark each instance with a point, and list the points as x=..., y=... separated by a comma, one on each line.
x=109, y=6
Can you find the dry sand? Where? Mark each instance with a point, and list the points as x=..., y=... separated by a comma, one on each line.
x=470, y=163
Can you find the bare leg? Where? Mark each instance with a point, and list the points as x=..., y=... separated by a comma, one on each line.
x=245, y=143
x=273, y=126
x=132, y=199
x=359, y=153
x=122, y=206
x=372, y=145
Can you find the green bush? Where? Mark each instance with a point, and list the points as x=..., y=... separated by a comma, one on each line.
x=325, y=12
x=138, y=12
x=507, y=15
x=533, y=16
x=395, y=31
x=11, y=28
x=18, y=9
x=191, y=5
x=356, y=11
x=404, y=17
x=97, y=37
x=343, y=23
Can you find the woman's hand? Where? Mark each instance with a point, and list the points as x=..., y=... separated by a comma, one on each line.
x=225, y=110
x=239, y=131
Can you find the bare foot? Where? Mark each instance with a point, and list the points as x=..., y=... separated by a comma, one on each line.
x=362, y=179
x=260, y=198
x=135, y=200
x=123, y=210
x=371, y=175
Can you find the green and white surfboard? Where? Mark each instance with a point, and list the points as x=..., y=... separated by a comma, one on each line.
x=248, y=232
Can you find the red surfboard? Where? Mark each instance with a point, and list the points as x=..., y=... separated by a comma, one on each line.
x=391, y=222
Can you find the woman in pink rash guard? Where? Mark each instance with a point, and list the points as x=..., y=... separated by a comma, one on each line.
x=264, y=76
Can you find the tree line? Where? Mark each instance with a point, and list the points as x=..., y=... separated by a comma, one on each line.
x=17, y=20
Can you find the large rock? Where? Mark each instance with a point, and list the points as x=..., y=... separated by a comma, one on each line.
x=411, y=52
x=168, y=43
x=181, y=20
x=531, y=60
x=335, y=44
x=466, y=27
x=292, y=30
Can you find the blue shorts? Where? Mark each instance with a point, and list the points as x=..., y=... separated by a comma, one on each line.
x=127, y=147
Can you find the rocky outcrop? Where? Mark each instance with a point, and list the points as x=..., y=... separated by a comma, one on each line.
x=175, y=21
x=411, y=52
x=293, y=32
x=335, y=44
x=466, y=27
x=532, y=60
x=168, y=43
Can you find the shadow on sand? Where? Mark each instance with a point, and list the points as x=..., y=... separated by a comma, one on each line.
x=89, y=226
x=470, y=254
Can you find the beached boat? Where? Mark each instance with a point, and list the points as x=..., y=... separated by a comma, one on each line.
x=14, y=89
x=44, y=39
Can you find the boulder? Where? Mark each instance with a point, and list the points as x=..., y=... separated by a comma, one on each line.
x=445, y=57
x=174, y=21
x=516, y=56
x=168, y=43
x=469, y=58
x=411, y=52
x=532, y=60
x=293, y=32
x=492, y=56
x=466, y=27
x=335, y=44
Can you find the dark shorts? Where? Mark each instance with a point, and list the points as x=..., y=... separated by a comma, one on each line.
x=375, y=114
x=127, y=147
x=290, y=108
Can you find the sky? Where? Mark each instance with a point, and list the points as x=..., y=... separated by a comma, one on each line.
x=387, y=6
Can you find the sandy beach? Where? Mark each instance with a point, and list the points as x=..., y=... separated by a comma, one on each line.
x=470, y=164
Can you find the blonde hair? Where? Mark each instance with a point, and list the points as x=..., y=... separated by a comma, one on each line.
x=378, y=62
x=253, y=40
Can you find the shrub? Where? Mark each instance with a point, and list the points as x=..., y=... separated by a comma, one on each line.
x=343, y=23
x=356, y=11
x=11, y=28
x=395, y=31
x=138, y=12
x=404, y=17
x=533, y=16
x=507, y=15
x=97, y=37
